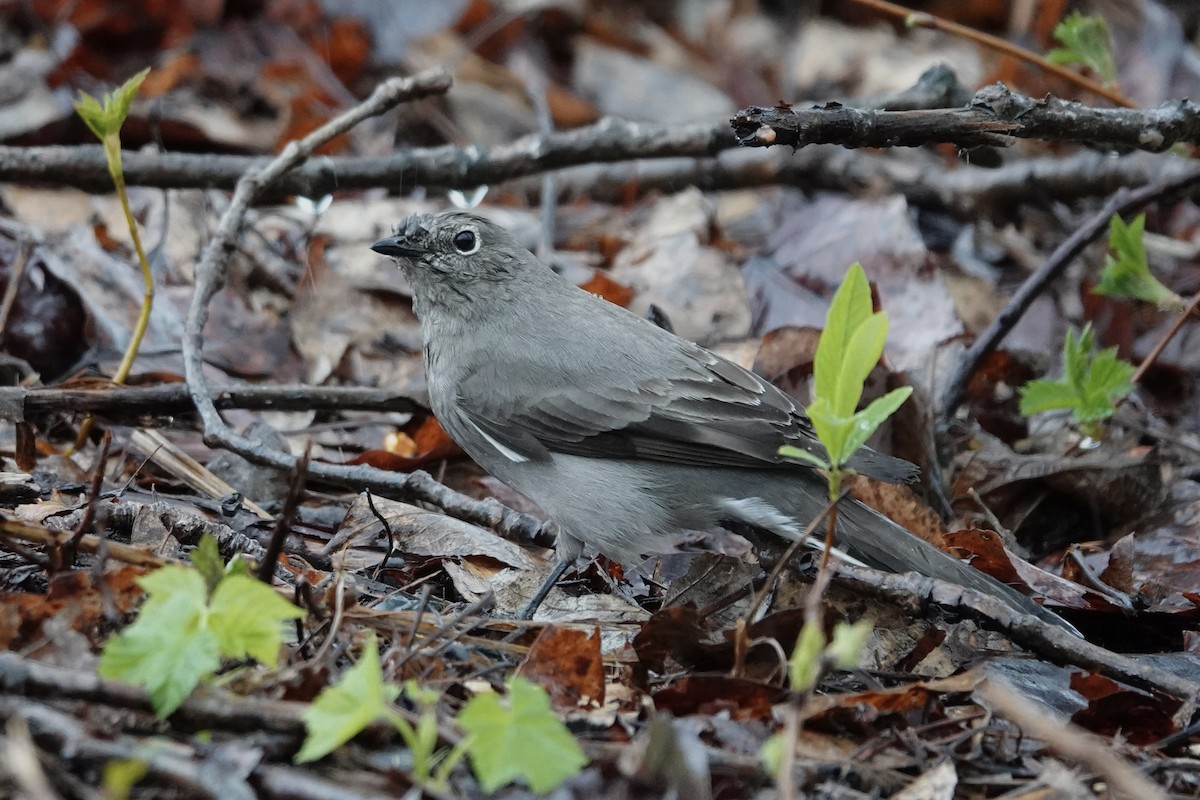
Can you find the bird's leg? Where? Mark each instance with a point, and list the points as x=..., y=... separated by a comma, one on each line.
x=532, y=606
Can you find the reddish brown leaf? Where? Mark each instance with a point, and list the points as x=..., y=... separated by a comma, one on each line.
x=566, y=663
x=612, y=291
x=73, y=595
x=742, y=698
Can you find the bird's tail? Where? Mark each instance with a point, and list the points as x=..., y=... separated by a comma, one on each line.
x=785, y=506
x=875, y=540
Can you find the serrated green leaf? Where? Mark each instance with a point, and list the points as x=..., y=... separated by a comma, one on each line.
x=247, y=618
x=519, y=740
x=1107, y=382
x=169, y=648
x=1126, y=272
x=1091, y=384
x=1046, y=395
x=1085, y=41
x=206, y=558
x=851, y=305
x=340, y=712
x=804, y=667
x=1077, y=350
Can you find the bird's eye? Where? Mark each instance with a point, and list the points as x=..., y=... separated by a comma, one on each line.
x=466, y=242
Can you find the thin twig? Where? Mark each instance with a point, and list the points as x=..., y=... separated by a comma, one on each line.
x=761, y=596
x=283, y=521
x=1166, y=338
x=926, y=20
x=1069, y=740
x=607, y=141
x=16, y=276
x=13, y=531
x=69, y=548
x=172, y=399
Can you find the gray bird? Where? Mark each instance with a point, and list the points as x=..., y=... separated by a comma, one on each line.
x=621, y=431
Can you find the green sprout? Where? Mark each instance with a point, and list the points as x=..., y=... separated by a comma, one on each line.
x=105, y=118
x=848, y=350
x=1126, y=272
x=1091, y=385
x=1085, y=41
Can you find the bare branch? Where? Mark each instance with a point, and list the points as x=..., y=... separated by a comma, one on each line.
x=995, y=116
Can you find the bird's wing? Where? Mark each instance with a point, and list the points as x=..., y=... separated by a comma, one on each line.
x=700, y=410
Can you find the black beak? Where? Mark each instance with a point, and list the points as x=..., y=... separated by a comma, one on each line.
x=397, y=247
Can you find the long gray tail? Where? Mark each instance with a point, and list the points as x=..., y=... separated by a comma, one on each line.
x=878, y=542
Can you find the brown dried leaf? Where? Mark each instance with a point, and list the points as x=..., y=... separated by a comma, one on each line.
x=566, y=663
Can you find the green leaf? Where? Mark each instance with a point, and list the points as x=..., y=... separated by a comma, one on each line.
x=845, y=649
x=1046, y=395
x=520, y=739
x=848, y=350
x=238, y=566
x=340, y=712
x=860, y=357
x=169, y=648
x=247, y=617
x=850, y=307
x=120, y=775
x=1126, y=273
x=1085, y=41
x=106, y=118
x=798, y=454
x=804, y=667
x=864, y=424
x=1090, y=387
x=1108, y=381
x=771, y=753
x=206, y=558
x=422, y=696
x=1077, y=349
x=831, y=428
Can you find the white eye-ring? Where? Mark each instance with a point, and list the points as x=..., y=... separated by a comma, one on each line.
x=466, y=241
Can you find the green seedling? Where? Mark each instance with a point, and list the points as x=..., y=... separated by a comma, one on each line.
x=519, y=738
x=105, y=118
x=1085, y=42
x=186, y=627
x=1126, y=272
x=848, y=350
x=1090, y=387
x=361, y=698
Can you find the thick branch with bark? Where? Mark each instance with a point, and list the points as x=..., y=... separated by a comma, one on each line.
x=995, y=116
x=447, y=166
